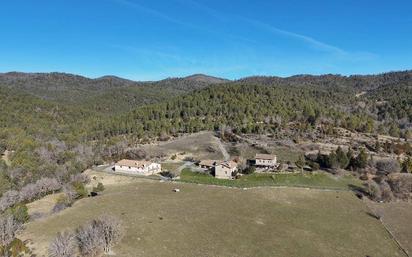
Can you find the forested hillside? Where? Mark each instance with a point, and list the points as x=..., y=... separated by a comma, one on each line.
x=60, y=123
x=256, y=108
x=106, y=95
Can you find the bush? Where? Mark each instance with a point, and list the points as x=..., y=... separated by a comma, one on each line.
x=99, y=187
x=407, y=165
x=361, y=161
x=374, y=190
x=401, y=184
x=80, y=189
x=384, y=167
x=62, y=203
x=386, y=191
x=313, y=165
x=63, y=245
x=19, y=212
x=248, y=170
x=17, y=248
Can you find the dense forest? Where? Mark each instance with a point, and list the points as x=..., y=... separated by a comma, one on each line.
x=62, y=123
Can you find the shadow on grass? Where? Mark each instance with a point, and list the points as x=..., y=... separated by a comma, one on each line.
x=360, y=192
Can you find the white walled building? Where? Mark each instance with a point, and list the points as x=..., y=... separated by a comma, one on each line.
x=145, y=168
x=265, y=160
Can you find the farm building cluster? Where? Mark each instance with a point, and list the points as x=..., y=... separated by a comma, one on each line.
x=220, y=169
x=227, y=169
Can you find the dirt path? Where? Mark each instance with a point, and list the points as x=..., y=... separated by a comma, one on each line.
x=226, y=155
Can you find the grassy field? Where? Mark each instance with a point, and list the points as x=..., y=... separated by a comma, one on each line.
x=397, y=217
x=315, y=180
x=212, y=221
x=172, y=166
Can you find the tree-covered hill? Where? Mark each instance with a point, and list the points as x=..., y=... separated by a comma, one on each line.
x=256, y=108
x=108, y=94
x=359, y=82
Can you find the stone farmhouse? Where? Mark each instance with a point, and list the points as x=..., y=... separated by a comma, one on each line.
x=145, y=168
x=221, y=169
x=224, y=170
x=207, y=164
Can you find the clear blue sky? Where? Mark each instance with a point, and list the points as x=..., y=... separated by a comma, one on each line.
x=150, y=40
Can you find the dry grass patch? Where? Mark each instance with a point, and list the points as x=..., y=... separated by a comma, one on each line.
x=198, y=145
x=397, y=217
x=214, y=221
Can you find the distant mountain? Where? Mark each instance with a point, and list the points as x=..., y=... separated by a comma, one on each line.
x=113, y=95
x=206, y=79
x=108, y=94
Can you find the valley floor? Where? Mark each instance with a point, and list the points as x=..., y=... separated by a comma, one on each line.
x=203, y=220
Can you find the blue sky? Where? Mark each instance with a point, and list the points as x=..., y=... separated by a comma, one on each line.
x=150, y=40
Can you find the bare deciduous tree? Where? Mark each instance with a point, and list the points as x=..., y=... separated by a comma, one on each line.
x=63, y=245
x=9, y=199
x=8, y=229
x=48, y=185
x=90, y=241
x=99, y=236
x=111, y=229
x=80, y=178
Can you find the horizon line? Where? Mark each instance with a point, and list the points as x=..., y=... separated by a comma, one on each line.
x=207, y=75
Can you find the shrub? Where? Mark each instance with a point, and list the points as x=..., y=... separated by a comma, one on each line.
x=17, y=248
x=374, y=190
x=386, y=191
x=99, y=187
x=63, y=245
x=384, y=167
x=407, y=165
x=19, y=212
x=401, y=184
x=62, y=202
x=314, y=165
x=361, y=161
x=248, y=170
x=80, y=190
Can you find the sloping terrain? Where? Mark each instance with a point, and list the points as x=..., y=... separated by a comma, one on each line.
x=213, y=221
